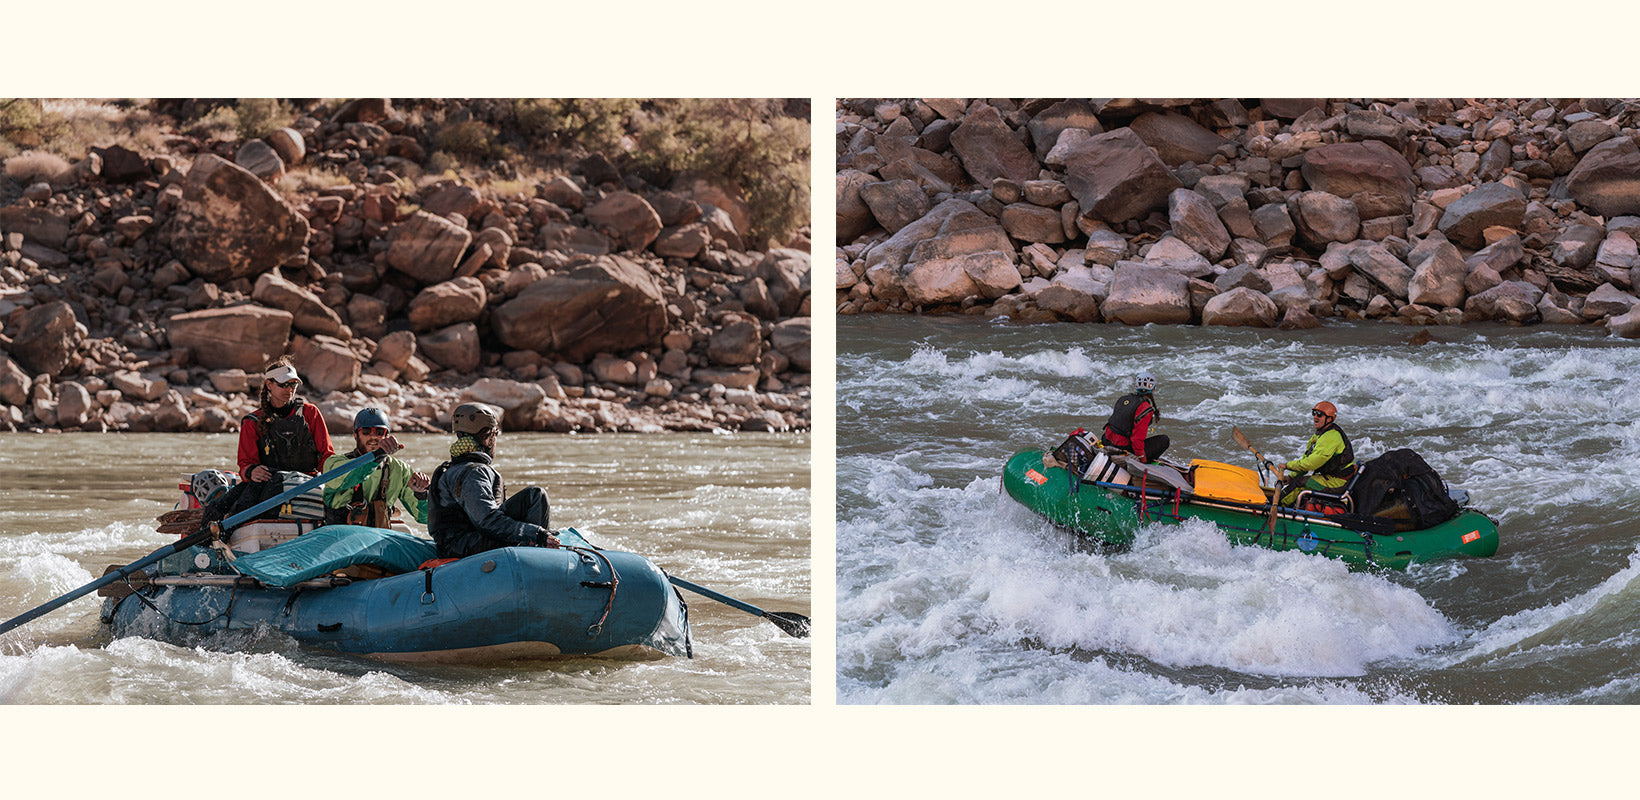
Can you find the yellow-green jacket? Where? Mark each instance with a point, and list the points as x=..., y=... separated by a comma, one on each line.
x=1328, y=455
x=339, y=492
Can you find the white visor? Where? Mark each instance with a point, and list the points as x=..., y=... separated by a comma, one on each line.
x=282, y=373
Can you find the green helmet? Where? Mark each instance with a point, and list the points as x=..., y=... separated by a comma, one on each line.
x=475, y=418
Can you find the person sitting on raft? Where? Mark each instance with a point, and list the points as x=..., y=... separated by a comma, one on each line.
x=285, y=433
x=1328, y=458
x=466, y=510
x=369, y=500
x=1129, y=425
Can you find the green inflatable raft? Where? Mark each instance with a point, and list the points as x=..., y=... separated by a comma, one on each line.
x=1110, y=504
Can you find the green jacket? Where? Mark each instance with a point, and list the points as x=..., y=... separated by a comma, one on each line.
x=1321, y=448
x=339, y=492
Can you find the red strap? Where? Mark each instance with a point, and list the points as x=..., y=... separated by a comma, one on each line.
x=436, y=562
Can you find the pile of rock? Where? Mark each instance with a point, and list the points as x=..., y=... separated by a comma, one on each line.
x=145, y=292
x=1242, y=212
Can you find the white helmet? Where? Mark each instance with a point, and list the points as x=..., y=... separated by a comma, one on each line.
x=208, y=485
x=1144, y=383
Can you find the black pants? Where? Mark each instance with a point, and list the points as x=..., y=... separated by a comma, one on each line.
x=528, y=505
x=1155, y=446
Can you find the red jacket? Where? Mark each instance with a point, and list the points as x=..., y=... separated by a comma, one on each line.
x=249, y=455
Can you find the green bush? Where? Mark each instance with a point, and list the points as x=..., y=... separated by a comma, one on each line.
x=261, y=116
x=220, y=123
x=591, y=125
x=470, y=140
x=25, y=124
x=748, y=144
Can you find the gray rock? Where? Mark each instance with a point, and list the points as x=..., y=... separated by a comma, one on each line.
x=1033, y=223
x=1115, y=177
x=1241, y=307
x=1173, y=253
x=853, y=215
x=1626, y=325
x=1371, y=174
x=1490, y=204
x=1195, y=222
x=1438, y=280
x=895, y=204
x=1141, y=294
x=229, y=224
x=1274, y=225
x=444, y=304
x=1576, y=246
x=1320, y=219
x=1242, y=275
x=1607, y=301
x=1513, y=301
x=1586, y=134
x=309, y=314
x=1177, y=138
x=989, y=149
x=1607, y=178
x=954, y=279
x=1046, y=127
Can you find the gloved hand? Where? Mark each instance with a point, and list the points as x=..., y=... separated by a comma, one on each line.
x=546, y=539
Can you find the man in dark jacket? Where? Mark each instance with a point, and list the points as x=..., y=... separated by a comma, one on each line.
x=1130, y=421
x=468, y=510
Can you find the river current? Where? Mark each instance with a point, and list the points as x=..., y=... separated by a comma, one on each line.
x=729, y=512
x=949, y=592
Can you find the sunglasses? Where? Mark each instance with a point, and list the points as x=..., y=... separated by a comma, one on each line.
x=290, y=384
x=1317, y=414
x=373, y=431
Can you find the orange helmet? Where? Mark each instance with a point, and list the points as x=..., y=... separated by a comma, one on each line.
x=1327, y=408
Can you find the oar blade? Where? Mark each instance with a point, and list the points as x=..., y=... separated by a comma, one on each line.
x=794, y=624
x=1241, y=438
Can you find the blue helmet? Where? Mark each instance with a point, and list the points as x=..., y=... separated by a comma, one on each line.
x=371, y=418
x=1144, y=383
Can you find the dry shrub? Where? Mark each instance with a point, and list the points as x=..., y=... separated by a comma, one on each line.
x=259, y=117
x=35, y=166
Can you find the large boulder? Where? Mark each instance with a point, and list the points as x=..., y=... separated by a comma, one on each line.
x=309, y=314
x=1142, y=294
x=1378, y=263
x=15, y=382
x=785, y=272
x=1065, y=115
x=1241, y=306
x=990, y=150
x=736, y=343
x=1468, y=217
x=1607, y=178
x=1512, y=301
x=1371, y=174
x=325, y=364
x=229, y=224
x=610, y=304
x=1115, y=177
x=1033, y=223
x=853, y=215
x=1196, y=222
x=239, y=337
x=1177, y=138
x=520, y=402
x=792, y=339
x=1320, y=219
x=447, y=303
x=895, y=204
x=950, y=228
x=427, y=247
x=455, y=347
x=627, y=219
x=952, y=279
x=37, y=224
x=1438, y=280
x=48, y=336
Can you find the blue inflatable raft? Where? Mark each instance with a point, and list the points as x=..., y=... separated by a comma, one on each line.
x=363, y=591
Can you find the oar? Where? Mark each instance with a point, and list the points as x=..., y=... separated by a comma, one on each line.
x=1275, y=492
x=202, y=535
x=793, y=624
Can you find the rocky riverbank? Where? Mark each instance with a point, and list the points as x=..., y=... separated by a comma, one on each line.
x=1242, y=212
x=144, y=290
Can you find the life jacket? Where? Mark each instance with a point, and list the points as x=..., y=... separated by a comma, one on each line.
x=285, y=443
x=1130, y=408
x=373, y=512
x=1342, y=464
x=452, y=531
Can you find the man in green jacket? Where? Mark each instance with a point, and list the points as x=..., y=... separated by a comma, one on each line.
x=369, y=501
x=1328, y=459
